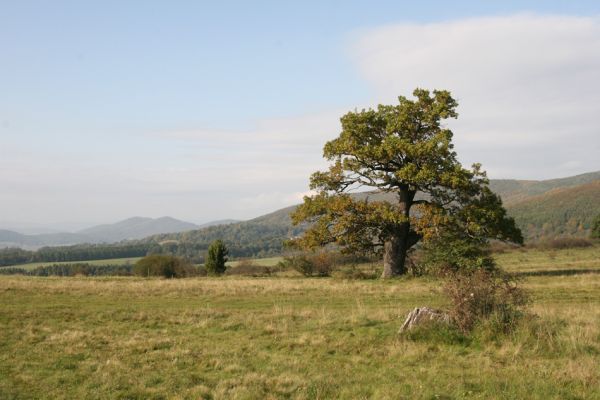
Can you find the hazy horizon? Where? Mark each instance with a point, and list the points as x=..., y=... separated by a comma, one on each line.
x=210, y=112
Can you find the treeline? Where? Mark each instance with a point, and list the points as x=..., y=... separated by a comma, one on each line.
x=79, y=252
x=72, y=270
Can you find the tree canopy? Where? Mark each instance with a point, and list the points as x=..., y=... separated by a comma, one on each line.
x=403, y=150
x=596, y=227
x=216, y=258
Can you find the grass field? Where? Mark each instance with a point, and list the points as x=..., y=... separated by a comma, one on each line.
x=261, y=338
x=265, y=262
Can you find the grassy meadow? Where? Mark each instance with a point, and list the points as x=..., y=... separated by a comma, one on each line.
x=292, y=337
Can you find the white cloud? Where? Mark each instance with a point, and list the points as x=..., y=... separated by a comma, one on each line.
x=528, y=86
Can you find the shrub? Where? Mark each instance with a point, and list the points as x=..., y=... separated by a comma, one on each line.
x=216, y=258
x=315, y=264
x=163, y=265
x=479, y=295
x=453, y=253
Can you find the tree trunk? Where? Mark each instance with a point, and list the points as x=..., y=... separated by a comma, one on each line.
x=397, y=245
x=394, y=254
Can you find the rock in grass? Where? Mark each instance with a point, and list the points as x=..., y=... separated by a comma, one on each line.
x=423, y=315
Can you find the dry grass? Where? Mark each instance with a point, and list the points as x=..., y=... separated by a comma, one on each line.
x=270, y=338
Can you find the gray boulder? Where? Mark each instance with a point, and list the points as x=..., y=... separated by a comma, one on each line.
x=421, y=315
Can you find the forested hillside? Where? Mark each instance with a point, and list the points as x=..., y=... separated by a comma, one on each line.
x=565, y=211
x=514, y=191
x=258, y=237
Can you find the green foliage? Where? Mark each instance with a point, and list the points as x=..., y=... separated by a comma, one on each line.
x=403, y=150
x=14, y=256
x=79, y=252
x=449, y=252
x=72, y=270
x=596, y=227
x=216, y=258
x=167, y=266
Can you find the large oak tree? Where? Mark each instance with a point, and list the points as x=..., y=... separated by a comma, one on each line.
x=406, y=152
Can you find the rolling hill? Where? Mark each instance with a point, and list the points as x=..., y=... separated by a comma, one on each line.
x=541, y=209
x=129, y=229
x=15, y=239
x=514, y=191
x=136, y=228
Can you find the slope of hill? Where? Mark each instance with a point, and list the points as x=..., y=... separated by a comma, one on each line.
x=218, y=222
x=132, y=228
x=513, y=191
x=562, y=211
x=136, y=228
x=541, y=208
x=259, y=237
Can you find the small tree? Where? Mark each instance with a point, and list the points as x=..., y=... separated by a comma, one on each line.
x=596, y=227
x=216, y=259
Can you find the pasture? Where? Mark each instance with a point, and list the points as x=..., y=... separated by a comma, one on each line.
x=292, y=337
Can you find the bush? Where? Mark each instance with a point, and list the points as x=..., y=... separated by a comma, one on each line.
x=163, y=265
x=315, y=264
x=449, y=253
x=484, y=295
x=216, y=258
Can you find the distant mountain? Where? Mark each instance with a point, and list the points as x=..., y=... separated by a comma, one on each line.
x=15, y=239
x=136, y=228
x=129, y=229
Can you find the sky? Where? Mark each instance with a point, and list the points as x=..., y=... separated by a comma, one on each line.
x=211, y=110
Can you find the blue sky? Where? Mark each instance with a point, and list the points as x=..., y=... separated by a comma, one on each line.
x=207, y=110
